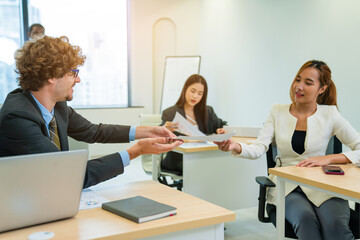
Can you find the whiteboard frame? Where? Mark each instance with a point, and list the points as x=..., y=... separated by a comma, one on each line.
x=163, y=85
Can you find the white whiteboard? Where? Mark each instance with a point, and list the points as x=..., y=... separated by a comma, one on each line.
x=177, y=70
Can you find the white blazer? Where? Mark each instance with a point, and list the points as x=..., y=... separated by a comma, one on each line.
x=321, y=126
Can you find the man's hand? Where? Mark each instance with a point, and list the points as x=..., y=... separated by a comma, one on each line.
x=153, y=146
x=229, y=145
x=153, y=132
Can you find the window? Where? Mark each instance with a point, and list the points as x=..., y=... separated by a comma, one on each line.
x=100, y=29
x=9, y=42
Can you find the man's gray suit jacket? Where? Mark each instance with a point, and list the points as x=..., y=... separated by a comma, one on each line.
x=23, y=131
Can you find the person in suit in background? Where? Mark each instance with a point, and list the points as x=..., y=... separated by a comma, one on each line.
x=36, y=31
x=36, y=119
x=302, y=131
x=192, y=106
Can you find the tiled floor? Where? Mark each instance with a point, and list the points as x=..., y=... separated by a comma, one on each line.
x=245, y=227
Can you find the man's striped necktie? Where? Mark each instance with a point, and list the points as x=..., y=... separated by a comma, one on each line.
x=54, y=136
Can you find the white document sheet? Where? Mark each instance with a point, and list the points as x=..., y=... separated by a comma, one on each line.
x=185, y=127
x=197, y=144
x=90, y=199
x=210, y=138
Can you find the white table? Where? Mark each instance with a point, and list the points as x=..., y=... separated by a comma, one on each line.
x=219, y=178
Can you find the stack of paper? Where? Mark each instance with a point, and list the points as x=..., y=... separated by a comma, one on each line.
x=195, y=134
x=185, y=127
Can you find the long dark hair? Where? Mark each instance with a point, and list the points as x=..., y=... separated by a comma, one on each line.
x=199, y=108
x=328, y=97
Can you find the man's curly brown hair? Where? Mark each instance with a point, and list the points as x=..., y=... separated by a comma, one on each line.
x=46, y=58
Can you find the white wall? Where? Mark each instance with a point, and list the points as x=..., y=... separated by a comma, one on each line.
x=251, y=50
x=143, y=16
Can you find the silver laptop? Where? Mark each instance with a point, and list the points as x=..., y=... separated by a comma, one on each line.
x=40, y=188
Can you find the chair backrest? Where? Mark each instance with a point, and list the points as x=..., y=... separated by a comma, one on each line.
x=334, y=147
x=148, y=120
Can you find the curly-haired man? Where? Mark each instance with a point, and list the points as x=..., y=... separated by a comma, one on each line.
x=35, y=118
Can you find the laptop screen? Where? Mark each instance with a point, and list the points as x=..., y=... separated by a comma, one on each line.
x=39, y=188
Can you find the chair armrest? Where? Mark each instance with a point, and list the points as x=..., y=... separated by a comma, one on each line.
x=156, y=160
x=264, y=183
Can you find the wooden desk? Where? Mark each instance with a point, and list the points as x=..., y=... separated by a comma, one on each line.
x=343, y=186
x=219, y=178
x=195, y=219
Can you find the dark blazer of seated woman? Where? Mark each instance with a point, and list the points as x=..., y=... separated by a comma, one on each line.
x=213, y=122
x=192, y=102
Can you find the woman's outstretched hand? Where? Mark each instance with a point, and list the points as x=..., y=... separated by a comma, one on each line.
x=229, y=145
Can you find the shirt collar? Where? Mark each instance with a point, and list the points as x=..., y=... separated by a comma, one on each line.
x=47, y=116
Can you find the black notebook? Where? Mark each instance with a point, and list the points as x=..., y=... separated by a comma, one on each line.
x=139, y=209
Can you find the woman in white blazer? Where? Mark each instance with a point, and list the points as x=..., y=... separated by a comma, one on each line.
x=302, y=131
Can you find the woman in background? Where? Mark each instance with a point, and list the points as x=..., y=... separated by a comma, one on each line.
x=302, y=131
x=192, y=106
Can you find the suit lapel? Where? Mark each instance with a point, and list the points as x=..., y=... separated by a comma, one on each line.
x=200, y=123
x=181, y=111
x=60, y=120
x=31, y=99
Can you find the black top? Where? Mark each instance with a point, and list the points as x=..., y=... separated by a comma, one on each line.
x=298, y=141
x=213, y=122
x=173, y=161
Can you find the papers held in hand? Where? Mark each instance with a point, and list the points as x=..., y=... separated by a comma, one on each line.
x=210, y=138
x=139, y=209
x=194, y=133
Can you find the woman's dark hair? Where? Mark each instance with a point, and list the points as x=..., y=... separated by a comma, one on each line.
x=328, y=97
x=199, y=108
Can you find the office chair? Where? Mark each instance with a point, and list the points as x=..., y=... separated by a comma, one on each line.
x=334, y=147
x=146, y=159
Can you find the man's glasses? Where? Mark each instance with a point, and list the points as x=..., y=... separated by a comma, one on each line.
x=75, y=72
